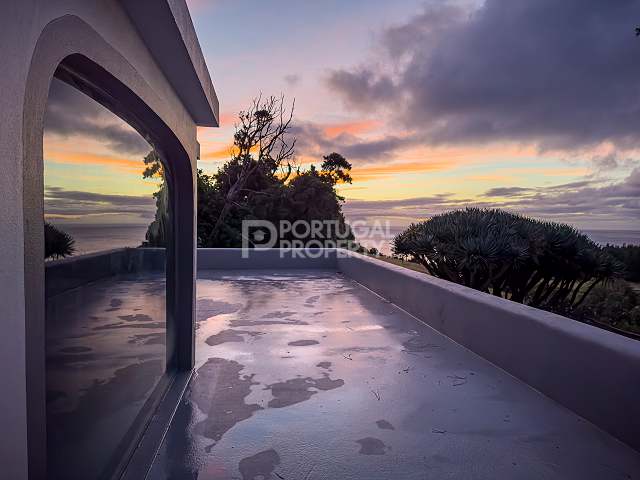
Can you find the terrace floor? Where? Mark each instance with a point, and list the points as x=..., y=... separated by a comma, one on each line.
x=307, y=375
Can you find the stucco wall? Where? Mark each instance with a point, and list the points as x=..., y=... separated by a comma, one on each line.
x=591, y=371
x=21, y=26
x=272, y=258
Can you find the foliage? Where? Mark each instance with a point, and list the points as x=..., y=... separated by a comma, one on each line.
x=158, y=231
x=629, y=256
x=261, y=149
x=310, y=195
x=57, y=244
x=258, y=182
x=616, y=305
x=539, y=263
x=336, y=167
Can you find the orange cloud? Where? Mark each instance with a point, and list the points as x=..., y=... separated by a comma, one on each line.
x=376, y=172
x=352, y=128
x=549, y=172
x=127, y=164
x=218, y=154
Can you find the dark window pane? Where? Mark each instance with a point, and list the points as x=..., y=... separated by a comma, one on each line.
x=105, y=290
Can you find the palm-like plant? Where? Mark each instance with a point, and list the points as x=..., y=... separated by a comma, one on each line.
x=509, y=255
x=57, y=244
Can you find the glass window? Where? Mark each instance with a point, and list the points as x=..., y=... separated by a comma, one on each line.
x=106, y=226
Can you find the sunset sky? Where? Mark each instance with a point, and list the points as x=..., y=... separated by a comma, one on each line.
x=531, y=105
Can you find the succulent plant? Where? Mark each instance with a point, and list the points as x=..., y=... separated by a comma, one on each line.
x=509, y=255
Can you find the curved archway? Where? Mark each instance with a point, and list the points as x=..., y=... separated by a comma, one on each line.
x=72, y=51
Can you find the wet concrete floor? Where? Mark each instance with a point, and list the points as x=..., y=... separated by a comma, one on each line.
x=305, y=375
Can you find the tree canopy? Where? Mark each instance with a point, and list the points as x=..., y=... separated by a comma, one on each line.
x=542, y=264
x=260, y=181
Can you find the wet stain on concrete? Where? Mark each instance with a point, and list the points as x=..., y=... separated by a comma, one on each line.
x=120, y=325
x=384, y=425
x=226, y=336
x=244, y=322
x=417, y=344
x=278, y=314
x=310, y=302
x=325, y=365
x=149, y=339
x=64, y=360
x=260, y=466
x=349, y=350
x=207, y=308
x=138, y=317
x=219, y=391
x=303, y=343
x=75, y=350
x=297, y=390
x=372, y=446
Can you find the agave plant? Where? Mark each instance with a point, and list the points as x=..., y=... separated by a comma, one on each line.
x=57, y=244
x=509, y=255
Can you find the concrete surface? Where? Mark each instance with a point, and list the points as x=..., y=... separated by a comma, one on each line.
x=585, y=368
x=305, y=374
x=591, y=371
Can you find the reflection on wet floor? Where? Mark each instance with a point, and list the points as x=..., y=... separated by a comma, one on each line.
x=105, y=353
x=307, y=375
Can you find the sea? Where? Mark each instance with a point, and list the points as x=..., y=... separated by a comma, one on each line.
x=382, y=239
x=95, y=238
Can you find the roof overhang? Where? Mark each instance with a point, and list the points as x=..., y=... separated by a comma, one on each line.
x=166, y=28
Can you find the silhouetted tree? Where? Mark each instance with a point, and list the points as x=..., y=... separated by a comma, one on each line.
x=158, y=231
x=57, y=244
x=336, y=168
x=258, y=182
x=261, y=148
x=539, y=263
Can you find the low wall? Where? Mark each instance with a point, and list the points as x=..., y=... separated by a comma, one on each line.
x=72, y=272
x=272, y=258
x=591, y=371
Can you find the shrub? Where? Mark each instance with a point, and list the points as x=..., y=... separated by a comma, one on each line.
x=509, y=255
x=57, y=244
x=629, y=255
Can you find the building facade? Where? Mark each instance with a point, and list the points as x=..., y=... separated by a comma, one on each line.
x=141, y=60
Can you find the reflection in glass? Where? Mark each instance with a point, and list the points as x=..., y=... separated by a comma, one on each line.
x=105, y=312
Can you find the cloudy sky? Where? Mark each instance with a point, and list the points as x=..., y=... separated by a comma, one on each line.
x=93, y=164
x=531, y=105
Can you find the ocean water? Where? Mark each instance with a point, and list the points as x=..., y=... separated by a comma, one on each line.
x=95, y=238
x=382, y=240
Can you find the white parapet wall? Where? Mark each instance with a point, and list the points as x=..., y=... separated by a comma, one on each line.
x=591, y=371
x=270, y=258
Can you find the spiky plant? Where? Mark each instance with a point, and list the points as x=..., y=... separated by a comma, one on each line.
x=509, y=255
x=57, y=244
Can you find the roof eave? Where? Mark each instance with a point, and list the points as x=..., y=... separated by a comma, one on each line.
x=166, y=28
